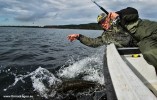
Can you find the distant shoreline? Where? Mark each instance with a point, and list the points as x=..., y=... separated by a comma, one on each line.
x=93, y=26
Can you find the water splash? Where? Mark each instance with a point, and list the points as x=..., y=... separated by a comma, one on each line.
x=42, y=81
x=91, y=68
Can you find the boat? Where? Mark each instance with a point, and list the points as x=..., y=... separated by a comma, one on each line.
x=127, y=75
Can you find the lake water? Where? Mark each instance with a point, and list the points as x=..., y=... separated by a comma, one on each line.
x=33, y=60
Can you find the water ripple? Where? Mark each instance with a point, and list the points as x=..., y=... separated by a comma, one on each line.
x=24, y=57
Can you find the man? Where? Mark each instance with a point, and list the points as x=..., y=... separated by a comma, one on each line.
x=144, y=32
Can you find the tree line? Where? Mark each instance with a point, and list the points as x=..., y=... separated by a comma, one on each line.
x=92, y=26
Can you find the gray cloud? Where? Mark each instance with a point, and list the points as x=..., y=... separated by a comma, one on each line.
x=45, y=12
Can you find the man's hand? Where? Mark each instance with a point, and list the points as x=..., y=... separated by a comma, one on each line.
x=114, y=17
x=111, y=19
x=73, y=37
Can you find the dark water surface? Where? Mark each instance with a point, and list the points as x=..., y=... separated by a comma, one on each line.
x=33, y=60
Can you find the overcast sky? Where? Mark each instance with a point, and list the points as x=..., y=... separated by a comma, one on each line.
x=61, y=12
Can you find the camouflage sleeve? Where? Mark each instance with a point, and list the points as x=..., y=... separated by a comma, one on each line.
x=92, y=42
x=120, y=39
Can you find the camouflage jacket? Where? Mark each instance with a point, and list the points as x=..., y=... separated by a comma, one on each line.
x=129, y=18
x=139, y=28
x=119, y=39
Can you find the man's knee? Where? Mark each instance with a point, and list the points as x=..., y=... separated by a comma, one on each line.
x=151, y=57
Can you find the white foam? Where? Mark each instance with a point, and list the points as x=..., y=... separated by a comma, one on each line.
x=91, y=66
x=40, y=87
x=95, y=76
x=37, y=77
x=17, y=79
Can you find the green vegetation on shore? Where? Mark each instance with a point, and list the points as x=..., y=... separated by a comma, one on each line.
x=93, y=26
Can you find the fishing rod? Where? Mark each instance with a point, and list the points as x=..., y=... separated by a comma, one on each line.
x=100, y=7
x=124, y=28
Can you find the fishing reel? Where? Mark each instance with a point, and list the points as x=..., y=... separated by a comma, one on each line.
x=116, y=21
